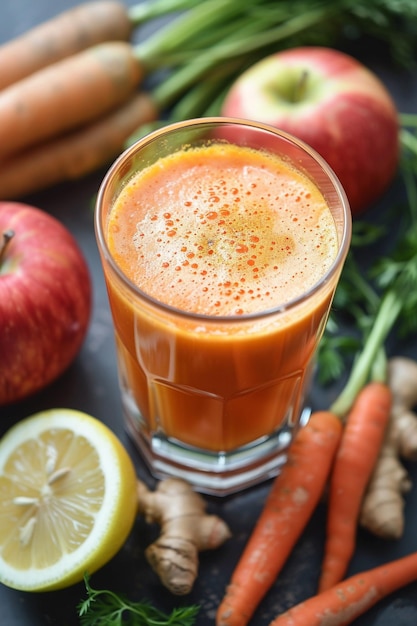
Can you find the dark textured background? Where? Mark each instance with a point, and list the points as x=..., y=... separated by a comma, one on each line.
x=90, y=385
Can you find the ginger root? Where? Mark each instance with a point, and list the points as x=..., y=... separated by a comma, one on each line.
x=402, y=379
x=382, y=511
x=186, y=529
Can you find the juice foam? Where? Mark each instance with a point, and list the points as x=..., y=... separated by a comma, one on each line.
x=222, y=230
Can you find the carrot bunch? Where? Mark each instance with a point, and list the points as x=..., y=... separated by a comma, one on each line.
x=68, y=97
x=72, y=89
x=328, y=448
x=357, y=421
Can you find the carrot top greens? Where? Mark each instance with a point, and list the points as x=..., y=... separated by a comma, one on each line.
x=380, y=299
x=106, y=608
x=206, y=44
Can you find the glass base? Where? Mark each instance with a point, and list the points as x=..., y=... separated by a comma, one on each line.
x=216, y=474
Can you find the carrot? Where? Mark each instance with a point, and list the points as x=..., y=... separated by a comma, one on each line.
x=62, y=96
x=65, y=34
x=290, y=504
x=358, y=452
x=77, y=153
x=344, y=602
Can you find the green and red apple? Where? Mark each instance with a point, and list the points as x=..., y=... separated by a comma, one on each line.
x=332, y=102
x=45, y=300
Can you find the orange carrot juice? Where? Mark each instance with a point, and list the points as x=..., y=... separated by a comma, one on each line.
x=214, y=248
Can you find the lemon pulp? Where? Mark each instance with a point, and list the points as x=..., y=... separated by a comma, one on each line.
x=67, y=499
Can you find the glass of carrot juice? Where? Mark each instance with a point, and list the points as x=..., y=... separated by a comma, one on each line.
x=222, y=242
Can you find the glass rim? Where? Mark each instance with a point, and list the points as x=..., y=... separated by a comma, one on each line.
x=285, y=307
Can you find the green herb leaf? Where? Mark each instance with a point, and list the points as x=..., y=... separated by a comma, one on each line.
x=107, y=608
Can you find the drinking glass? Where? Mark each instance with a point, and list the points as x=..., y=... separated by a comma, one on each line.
x=217, y=398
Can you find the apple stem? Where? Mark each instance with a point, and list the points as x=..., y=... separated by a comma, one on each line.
x=300, y=87
x=7, y=236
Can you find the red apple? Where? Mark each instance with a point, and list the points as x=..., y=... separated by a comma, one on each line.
x=332, y=102
x=45, y=300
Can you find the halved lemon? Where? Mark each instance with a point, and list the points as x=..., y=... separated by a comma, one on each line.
x=67, y=499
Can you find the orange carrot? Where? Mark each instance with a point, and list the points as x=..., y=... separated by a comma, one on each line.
x=62, y=96
x=344, y=602
x=75, y=154
x=290, y=504
x=65, y=34
x=361, y=442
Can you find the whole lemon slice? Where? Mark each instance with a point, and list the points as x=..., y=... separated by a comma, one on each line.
x=67, y=499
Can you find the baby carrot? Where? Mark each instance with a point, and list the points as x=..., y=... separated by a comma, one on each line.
x=77, y=153
x=358, y=452
x=65, y=34
x=345, y=601
x=290, y=504
x=69, y=93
